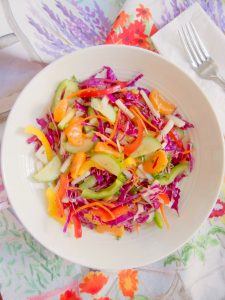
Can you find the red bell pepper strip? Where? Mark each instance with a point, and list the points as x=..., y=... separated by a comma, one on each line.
x=128, y=149
x=176, y=140
x=77, y=227
x=94, y=92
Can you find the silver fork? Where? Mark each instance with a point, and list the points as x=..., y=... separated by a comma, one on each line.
x=200, y=59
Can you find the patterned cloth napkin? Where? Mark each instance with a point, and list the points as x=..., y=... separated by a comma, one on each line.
x=27, y=270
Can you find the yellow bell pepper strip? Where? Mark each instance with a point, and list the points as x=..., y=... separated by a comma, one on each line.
x=60, y=110
x=94, y=92
x=78, y=160
x=128, y=149
x=103, y=147
x=77, y=226
x=42, y=138
x=52, y=206
x=129, y=162
x=87, y=165
x=114, y=230
x=74, y=132
x=61, y=193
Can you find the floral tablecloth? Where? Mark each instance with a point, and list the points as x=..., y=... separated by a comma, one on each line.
x=48, y=30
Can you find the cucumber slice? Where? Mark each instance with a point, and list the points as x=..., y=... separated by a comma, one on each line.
x=107, y=162
x=107, y=192
x=88, y=183
x=67, y=86
x=49, y=172
x=68, y=117
x=105, y=109
x=91, y=121
x=177, y=170
x=148, y=145
x=85, y=147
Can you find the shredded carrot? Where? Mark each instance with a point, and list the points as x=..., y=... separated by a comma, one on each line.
x=116, y=124
x=139, y=117
x=143, y=118
x=95, y=204
x=107, y=139
x=165, y=198
x=137, y=200
x=73, y=188
x=186, y=152
x=163, y=215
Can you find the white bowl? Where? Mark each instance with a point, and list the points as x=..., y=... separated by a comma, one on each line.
x=199, y=190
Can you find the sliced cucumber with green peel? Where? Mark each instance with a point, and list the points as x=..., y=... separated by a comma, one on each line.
x=105, y=109
x=68, y=117
x=108, y=192
x=65, y=88
x=91, y=121
x=177, y=170
x=148, y=145
x=89, y=182
x=85, y=147
x=108, y=162
x=49, y=172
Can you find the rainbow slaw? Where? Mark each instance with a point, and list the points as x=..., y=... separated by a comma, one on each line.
x=112, y=154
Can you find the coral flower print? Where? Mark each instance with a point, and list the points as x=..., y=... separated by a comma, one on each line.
x=93, y=282
x=121, y=19
x=69, y=295
x=102, y=298
x=128, y=282
x=219, y=209
x=137, y=28
x=143, y=12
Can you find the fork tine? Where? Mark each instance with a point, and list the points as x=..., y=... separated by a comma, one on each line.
x=201, y=45
x=188, y=47
x=195, y=44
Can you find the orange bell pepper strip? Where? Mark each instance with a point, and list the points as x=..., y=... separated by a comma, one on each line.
x=74, y=132
x=94, y=92
x=42, y=138
x=78, y=160
x=60, y=110
x=130, y=148
x=77, y=226
x=103, y=147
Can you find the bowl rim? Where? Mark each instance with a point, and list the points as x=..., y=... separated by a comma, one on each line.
x=58, y=61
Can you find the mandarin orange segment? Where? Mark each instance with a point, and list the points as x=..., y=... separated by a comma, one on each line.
x=156, y=163
x=74, y=132
x=60, y=110
x=161, y=104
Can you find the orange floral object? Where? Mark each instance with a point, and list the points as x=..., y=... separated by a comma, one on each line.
x=121, y=19
x=93, y=282
x=128, y=282
x=69, y=295
x=143, y=12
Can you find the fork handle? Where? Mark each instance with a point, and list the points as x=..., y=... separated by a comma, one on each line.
x=220, y=80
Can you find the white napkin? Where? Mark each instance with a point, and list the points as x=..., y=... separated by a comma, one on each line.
x=168, y=43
